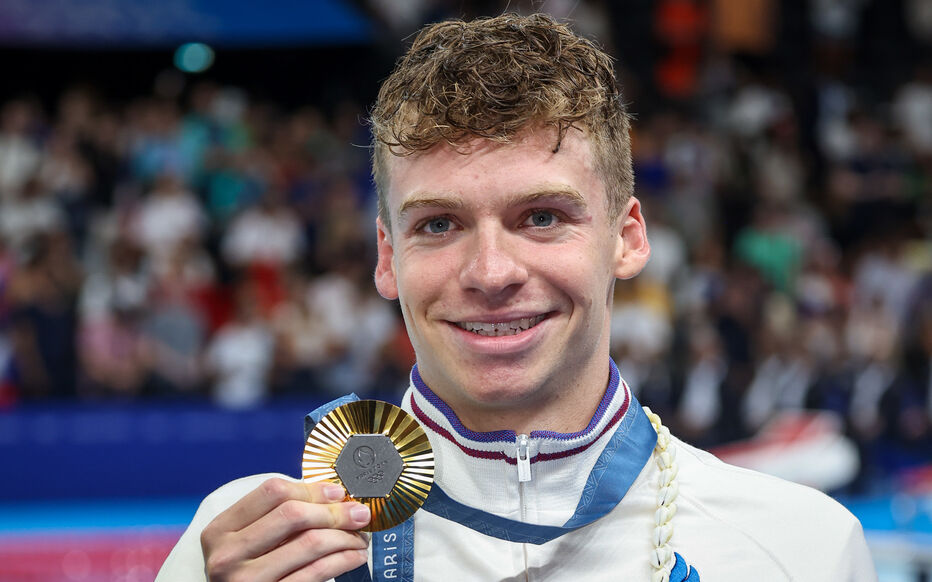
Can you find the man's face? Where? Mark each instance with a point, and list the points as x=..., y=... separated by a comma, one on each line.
x=504, y=261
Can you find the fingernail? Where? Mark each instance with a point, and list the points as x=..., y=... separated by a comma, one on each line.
x=359, y=513
x=364, y=554
x=334, y=492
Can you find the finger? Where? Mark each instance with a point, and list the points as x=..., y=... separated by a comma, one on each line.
x=269, y=495
x=234, y=555
x=329, y=566
x=293, y=517
x=304, y=550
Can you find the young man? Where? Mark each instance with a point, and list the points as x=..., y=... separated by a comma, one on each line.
x=503, y=165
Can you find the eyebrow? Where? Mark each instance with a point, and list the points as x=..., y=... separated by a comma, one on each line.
x=549, y=193
x=426, y=201
x=546, y=193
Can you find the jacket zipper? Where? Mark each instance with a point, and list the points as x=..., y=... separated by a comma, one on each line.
x=524, y=476
x=524, y=461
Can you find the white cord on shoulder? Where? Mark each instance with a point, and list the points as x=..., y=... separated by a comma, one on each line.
x=661, y=558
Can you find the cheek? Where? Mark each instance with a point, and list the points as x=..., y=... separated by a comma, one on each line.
x=424, y=280
x=584, y=275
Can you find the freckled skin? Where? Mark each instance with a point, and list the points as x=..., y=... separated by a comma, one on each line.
x=501, y=233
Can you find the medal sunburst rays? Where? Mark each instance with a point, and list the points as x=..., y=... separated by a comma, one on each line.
x=372, y=417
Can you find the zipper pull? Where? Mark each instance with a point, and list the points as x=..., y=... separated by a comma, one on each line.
x=524, y=460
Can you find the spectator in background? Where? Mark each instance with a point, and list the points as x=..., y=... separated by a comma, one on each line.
x=357, y=323
x=168, y=216
x=123, y=283
x=175, y=324
x=912, y=110
x=68, y=178
x=339, y=224
x=102, y=146
x=154, y=140
x=376, y=322
x=112, y=351
x=883, y=278
x=304, y=346
x=268, y=233
x=115, y=356
x=261, y=243
x=782, y=374
x=768, y=245
x=735, y=315
x=239, y=358
x=200, y=133
x=641, y=337
x=42, y=297
x=20, y=152
x=28, y=214
x=701, y=404
x=872, y=340
x=235, y=168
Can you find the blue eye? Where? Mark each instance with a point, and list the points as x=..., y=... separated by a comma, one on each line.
x=438, y=225
x=541, y=218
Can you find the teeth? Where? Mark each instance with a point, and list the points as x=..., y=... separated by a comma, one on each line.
x=504, y=328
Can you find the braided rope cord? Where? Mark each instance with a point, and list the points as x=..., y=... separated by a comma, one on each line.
x=661, y=558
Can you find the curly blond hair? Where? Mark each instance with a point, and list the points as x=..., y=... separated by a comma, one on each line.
x=492, y=77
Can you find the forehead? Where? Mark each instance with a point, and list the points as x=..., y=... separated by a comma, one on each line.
x=480, y=168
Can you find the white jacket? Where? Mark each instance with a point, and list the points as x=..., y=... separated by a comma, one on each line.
x=731, y=524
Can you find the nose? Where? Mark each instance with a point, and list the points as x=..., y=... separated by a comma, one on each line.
x=494, y=266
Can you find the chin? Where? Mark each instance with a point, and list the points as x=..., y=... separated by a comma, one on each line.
x=483, y=384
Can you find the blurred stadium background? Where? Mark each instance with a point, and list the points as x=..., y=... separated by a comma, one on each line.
x=186, y=242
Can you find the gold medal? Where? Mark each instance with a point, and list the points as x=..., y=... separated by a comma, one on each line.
x=379, y=453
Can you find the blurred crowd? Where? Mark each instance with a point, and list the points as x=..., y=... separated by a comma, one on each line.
x=210, y=244
x=221, y=247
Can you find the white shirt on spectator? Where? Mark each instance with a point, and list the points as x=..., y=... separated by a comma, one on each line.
x=166, y=219
x=264, y=236
x=241, y=357
x=19, y=159
x=21, y=219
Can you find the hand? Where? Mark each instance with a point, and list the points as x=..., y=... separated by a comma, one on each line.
x=286, y=531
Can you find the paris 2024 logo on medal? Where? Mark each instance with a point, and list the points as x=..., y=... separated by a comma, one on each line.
x=378, y=453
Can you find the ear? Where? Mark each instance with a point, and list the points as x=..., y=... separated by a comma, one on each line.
x=633, y=249
x=385, y=280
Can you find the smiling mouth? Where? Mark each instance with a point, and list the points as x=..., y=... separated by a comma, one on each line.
x=504, y=328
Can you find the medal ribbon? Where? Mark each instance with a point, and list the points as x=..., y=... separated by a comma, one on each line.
x=617, y=467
